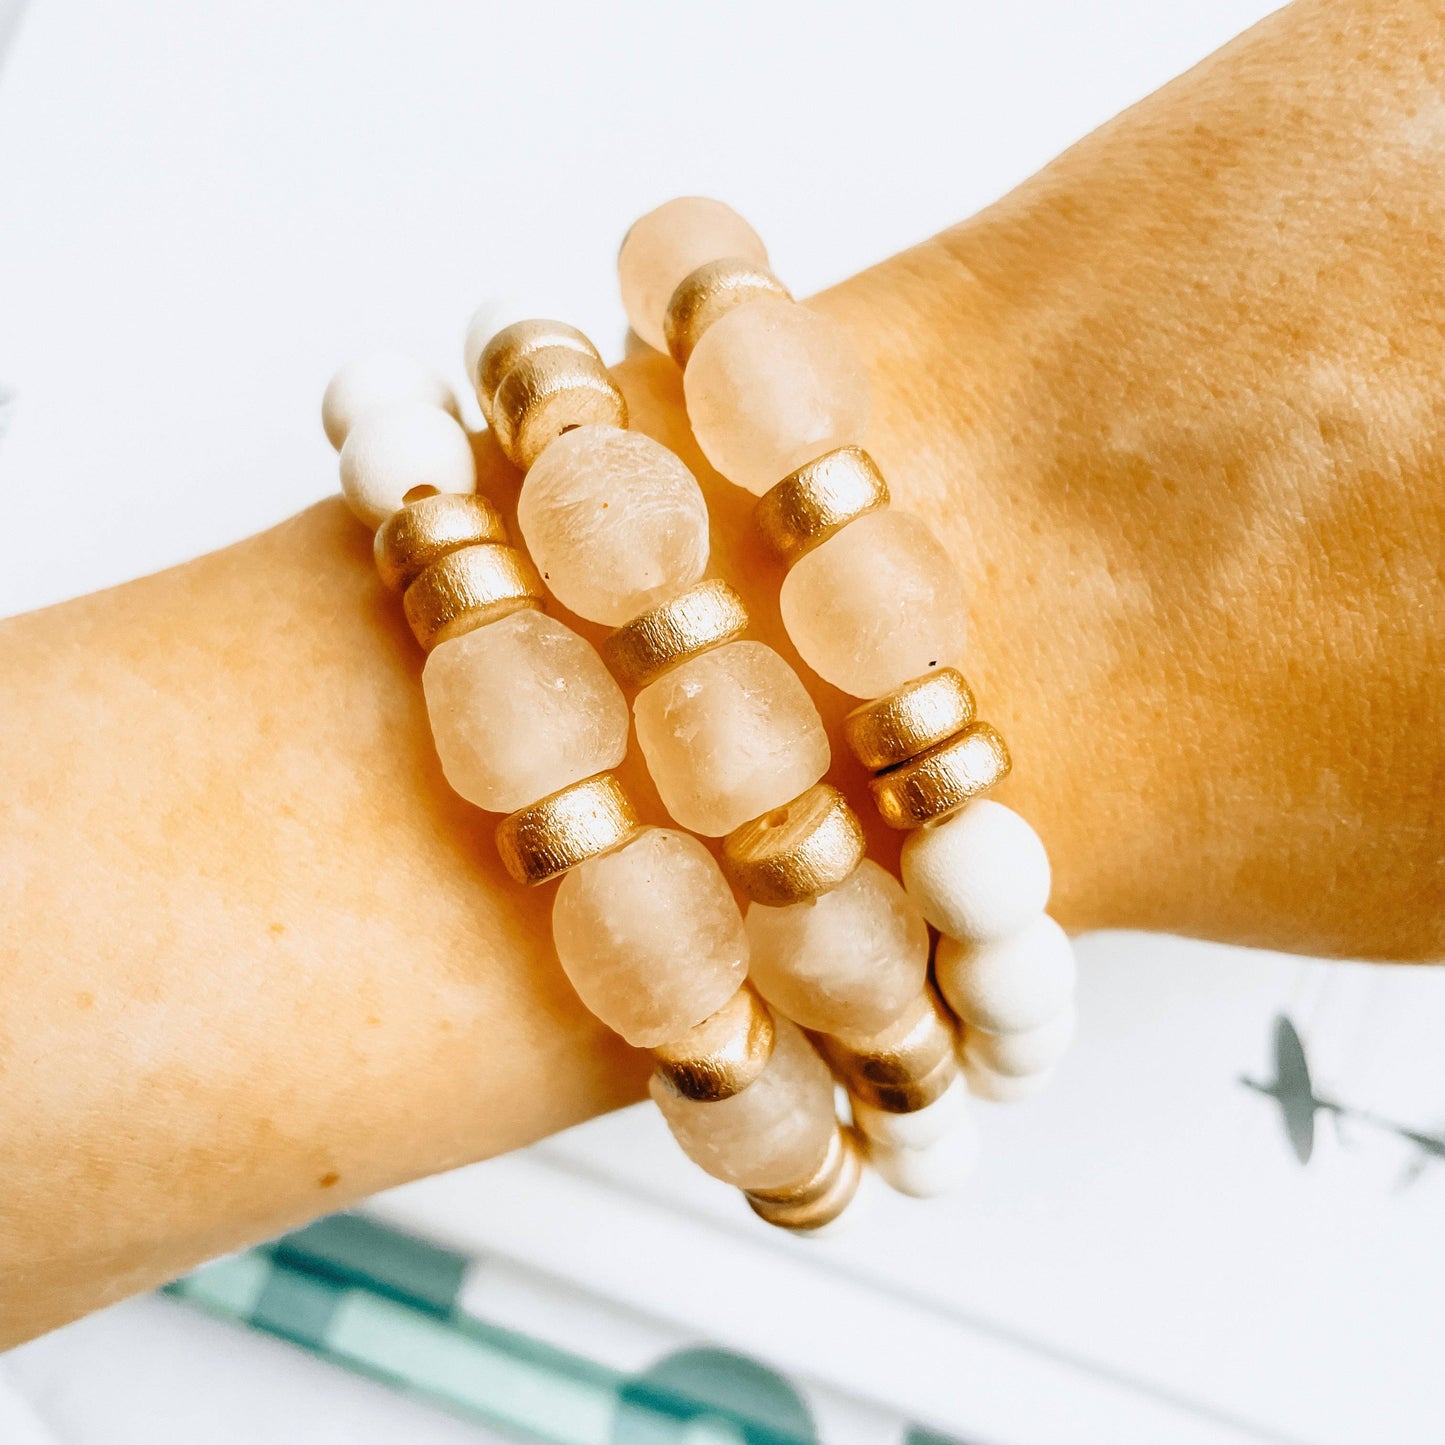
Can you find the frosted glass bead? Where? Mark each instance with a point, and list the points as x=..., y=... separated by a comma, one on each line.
x=651, y=936
x=849, y=960
x=1032, y=1051
x=666, y=245
x=770, y=386
x=876, y=605
x=920, y=1128
x=729, y=735
x=391, y=451
x=1015, y=984
x=773, y=1134
x=614, y=521
x=371, y=382
x=979, y=875
x=936, y=1169
x=520, y=708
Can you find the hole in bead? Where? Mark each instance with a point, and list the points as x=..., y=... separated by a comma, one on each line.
x=776, y=819
x=421, y=493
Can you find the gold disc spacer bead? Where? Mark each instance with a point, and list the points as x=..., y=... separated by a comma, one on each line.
x=543, y=841
x=723, y=1054
x=809, y=505
x=797, y=851
x=708, y=294
x=514, y=343
x=821, y=1198
x=468, y=588
x=941, y=780
x=693, y=622
x=424, y=531
x=910, y=720
x=903, y=1067
x=547, y=393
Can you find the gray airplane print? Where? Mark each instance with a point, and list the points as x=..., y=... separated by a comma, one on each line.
x=1301, y=1106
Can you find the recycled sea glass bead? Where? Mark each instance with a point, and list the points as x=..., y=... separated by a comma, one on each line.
x=876, y=605
x=520, y=708
x=614, y=521
x=770, y=386
x=729, y=735
x=651, y=936
x=849, y=960
x=775, y=1133
x=666, y=245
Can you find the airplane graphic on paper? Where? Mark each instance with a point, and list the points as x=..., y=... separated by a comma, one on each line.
x=1294, y=1091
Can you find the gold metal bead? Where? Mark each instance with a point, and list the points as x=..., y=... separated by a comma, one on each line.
x=915, y=1094
x=547, y=393
x=708, y=294
x=693, y=622
x=723, y=1054
x=468, y=588
x=821, y=1198
x=941, y=780
x=797, y=851
x=517, y=341
x=565, y=828
x=424, y=531
x=910, y=720
x=900, y=1068
x=809, y=505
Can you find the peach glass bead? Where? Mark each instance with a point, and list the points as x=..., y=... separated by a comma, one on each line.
x=770, y=386
x=849, y=960
x=651, y=936
x=520, y=708
x=771, y=1135
x=876, y=605
x=614, y=521
x=729, y=735
x=667, y=245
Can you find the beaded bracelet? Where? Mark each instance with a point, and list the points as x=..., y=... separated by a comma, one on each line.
x=871, y=602
x=521, y=706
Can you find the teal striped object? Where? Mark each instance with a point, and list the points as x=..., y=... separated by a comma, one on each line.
x=387, y=1305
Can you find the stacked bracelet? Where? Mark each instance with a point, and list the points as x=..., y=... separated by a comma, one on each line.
x=778, y=403
x=832, y=962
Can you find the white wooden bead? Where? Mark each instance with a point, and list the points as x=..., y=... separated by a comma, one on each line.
x=1015, y=984
x=1032, y=1051
x=375, y=381
x=978, y=876
x=1005, y=1088
x=492, y=316
x=919, y=1129
x=390, y=452
x=936, y=1169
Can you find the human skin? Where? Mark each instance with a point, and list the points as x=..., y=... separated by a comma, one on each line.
x=1175, y=405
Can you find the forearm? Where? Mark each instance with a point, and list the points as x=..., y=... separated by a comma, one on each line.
x=258, y=960
x=1183, y=411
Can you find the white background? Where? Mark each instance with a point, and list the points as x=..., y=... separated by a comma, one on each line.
x=203, y=208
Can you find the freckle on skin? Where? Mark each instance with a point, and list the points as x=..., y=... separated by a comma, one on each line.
x=328, y=1181
x=84, y=1000
x=277, y=929
x=373, y=1021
